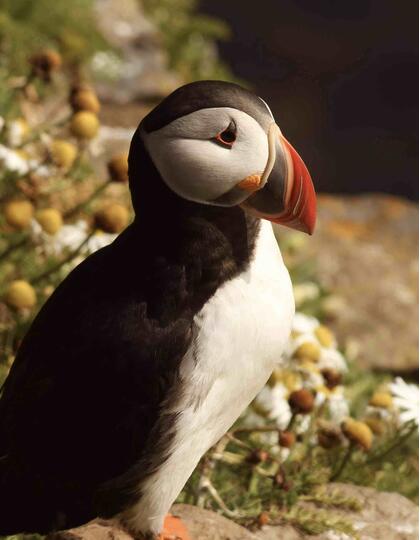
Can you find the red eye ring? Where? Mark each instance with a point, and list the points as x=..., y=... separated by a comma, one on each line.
x=227, y=137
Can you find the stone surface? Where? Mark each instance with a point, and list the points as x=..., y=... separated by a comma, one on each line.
x=383, y=516
x=366, y=252
x=205, y=525
x=94, y=530
x=201, y=525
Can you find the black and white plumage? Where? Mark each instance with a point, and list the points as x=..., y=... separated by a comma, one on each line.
x=151, y=348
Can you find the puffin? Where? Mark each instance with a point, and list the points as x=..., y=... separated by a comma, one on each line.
x=152, y=347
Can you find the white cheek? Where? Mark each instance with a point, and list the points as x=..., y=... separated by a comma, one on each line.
x=202, y=170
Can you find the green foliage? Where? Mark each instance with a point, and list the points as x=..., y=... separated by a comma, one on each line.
x=8, y=103
x=29, y=25
x=189, y=38
x=392, y=465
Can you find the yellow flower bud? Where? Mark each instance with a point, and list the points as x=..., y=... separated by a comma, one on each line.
x=50, y=220
x=20, y=294
x=357, y=432
x=289, y=379
x=377, y=425
x=112, y=219
x=325, y=336
x=19, y=214
x=118, y=167
x=84, y=125
x=85, y=100
x=381, y=399
x=308, y=351
x=63, y=153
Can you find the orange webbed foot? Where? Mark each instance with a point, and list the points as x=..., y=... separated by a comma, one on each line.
x=174, y=529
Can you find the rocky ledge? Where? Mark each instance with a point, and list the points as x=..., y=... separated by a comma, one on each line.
x=382, y=516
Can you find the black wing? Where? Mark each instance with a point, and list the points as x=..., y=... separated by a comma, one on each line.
x=84, y=391
x=83, y=398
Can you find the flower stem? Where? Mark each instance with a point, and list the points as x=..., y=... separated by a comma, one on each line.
x=343, y=463
x=256, y=429
x=399, y=441
x=16, y=245
x=291, y=423
x=83, y=204
x=57, y=266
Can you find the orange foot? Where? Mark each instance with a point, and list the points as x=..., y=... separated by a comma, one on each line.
x=174, y=529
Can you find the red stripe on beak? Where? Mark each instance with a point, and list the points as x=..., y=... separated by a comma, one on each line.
x=300, y=206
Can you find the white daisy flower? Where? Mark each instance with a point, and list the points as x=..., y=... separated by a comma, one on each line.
x=272, y=403
x=304, y=323
x=311, y=378
x=69, y=238
x=16, y=131
x=283, y=453
x=406, y=399
x=305, y=292
x=332, y=359
x=12, y=161
x=280, y=411
x=338, y=406
x=303, y=423
x=99, y=240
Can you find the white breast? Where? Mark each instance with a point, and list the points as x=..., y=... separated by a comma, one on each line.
x=241, y=333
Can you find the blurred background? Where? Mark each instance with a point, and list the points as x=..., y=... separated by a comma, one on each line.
x=341, y=78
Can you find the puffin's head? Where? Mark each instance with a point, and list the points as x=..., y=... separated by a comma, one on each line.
x=216, y=143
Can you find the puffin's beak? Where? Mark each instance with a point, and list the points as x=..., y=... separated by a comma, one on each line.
x=285, y=193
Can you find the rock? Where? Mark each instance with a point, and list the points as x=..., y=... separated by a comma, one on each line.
x=366, y=252
x=201, y=525
x=94, y=530
x=206, y=525
x=142, y=72
x=382, y=516
x=387, y=516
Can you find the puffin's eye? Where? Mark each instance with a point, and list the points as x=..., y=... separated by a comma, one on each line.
x=227, y=137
